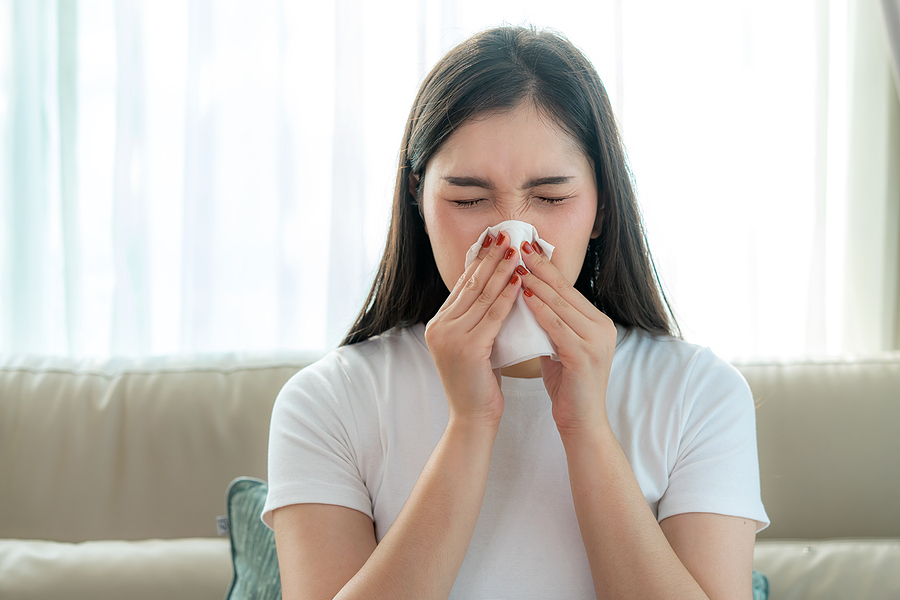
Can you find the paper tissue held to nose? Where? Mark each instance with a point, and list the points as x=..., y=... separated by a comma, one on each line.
x=520, y=337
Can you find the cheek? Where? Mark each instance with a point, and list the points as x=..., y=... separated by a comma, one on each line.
x=449, y=245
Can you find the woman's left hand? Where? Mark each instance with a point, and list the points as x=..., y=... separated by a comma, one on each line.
x=585, y=341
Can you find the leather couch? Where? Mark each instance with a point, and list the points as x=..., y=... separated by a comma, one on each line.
x=113, y=473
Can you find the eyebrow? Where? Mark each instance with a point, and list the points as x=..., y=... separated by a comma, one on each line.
x=485, y=184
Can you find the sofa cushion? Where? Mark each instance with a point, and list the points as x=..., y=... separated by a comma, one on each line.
x=830, y=569
x=188, y=569
x=94, y=449
x=255, y=561
x=828, y=446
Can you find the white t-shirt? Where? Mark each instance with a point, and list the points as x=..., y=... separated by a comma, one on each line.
x=356, y=428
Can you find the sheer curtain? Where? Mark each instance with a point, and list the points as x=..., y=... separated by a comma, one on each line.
x=195, y=176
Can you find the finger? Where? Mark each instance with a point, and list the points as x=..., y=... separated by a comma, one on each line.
x=559, y=330
x=472, y=305
x=475, y=285
x=483, y=251
x=496, y=313
x=540, y=266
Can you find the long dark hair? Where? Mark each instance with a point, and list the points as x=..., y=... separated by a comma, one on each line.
x=497, y=70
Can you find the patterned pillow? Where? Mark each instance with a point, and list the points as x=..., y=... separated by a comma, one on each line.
x=760, y=586
x=253, y=554
x=256, y=572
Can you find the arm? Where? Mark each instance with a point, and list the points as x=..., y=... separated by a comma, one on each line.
x=631, y=555
x=321, y=548
x=330, y=552
x=694, y=555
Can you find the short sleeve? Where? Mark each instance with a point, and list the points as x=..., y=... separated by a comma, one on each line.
x=314, y=443
x=717, y=466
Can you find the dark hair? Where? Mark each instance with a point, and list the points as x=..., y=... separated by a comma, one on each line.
x=497, y=70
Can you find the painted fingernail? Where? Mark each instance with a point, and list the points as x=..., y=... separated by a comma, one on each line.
x=500, y=238
x=509, y=253
x=521, y=270
x=514, y=279
x=526, y=248
x=488, y=240
x=527, y=292
x=538, y=248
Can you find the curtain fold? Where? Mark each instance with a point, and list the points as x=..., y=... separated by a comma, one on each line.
x=873, y=189
x=891, y=13
x=198, y=176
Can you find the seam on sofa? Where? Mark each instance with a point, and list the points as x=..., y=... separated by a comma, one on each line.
x=132, y=371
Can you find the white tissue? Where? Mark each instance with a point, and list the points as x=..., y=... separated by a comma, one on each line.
x=520, y=337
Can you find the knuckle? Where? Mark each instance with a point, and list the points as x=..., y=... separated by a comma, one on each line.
x=472, y=282
x=484, y=298
x=559, y=302
x=494, y=313
x=557, y=323
x=562, y=283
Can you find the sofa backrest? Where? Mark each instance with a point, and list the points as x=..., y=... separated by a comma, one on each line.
x=136, y=449
x=829, y=446
x=131, y=449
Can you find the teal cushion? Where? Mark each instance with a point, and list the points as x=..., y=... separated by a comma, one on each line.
x=253, y=554
x=760, y=586
x=256, y=573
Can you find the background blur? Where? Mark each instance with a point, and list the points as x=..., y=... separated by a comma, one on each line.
x=204, y=176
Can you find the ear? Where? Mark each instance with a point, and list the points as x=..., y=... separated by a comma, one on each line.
x=598, y=220
x=413, y=183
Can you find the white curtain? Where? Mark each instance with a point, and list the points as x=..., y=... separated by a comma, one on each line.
x=195, y=175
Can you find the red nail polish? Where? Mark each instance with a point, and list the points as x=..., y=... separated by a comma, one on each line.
x=488, y=240
x=537, y=248
x=526, y=248
x=501, y=238
x=514, y=279
x=527, y=292
x=521, y=270
x=509, y=253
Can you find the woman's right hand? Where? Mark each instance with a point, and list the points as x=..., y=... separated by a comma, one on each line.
x=461, y=335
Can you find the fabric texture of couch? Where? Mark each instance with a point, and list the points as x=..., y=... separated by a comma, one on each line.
x=114, y=473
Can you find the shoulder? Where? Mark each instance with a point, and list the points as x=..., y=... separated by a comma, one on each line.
x=360, y=368
x=398, y=348
x=680, y=368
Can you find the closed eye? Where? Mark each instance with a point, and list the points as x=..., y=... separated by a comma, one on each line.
x=552, y=200
x=467, y=203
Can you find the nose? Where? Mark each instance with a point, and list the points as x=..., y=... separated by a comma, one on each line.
x=514, y=211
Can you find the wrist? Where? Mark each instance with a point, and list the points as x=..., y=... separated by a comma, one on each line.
x=572, y=435
x=471, y=425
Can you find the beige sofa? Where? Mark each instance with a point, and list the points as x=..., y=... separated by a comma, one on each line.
x=112, y=474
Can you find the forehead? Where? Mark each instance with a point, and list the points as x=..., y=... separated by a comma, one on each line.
x=522, y=141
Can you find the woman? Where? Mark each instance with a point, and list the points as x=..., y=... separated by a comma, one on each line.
x=403, y=466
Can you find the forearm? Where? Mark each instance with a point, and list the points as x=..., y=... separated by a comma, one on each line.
x=629, y=555
x=421, y=554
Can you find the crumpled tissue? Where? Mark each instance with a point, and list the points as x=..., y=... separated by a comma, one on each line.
x=520, y=337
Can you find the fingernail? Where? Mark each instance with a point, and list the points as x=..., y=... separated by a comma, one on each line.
x=527, y=292
x=488, y=240
x=500, y=238
x=521, y=270
x=538, y=248
x=514, y=279
x=509, y=253
x=526, y=248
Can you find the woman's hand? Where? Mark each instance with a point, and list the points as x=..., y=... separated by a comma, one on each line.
x=585, y=341
x=461, y=335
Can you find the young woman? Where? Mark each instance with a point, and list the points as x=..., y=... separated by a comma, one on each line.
x=403, y=466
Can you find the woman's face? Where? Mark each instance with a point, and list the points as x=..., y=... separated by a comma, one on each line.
x=510, y=165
